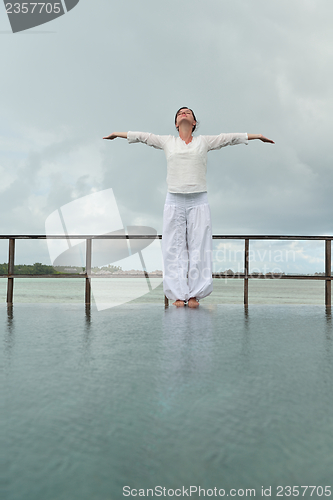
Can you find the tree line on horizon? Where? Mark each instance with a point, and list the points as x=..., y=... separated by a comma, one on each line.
x=36, y=268
x=39, y=268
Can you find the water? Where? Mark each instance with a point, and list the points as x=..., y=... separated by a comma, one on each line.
x=230, y=291
x=139, y=395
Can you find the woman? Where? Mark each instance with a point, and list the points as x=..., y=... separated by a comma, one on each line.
x=187, y=230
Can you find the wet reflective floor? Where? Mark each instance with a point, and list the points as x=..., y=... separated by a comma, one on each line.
x=141, y=396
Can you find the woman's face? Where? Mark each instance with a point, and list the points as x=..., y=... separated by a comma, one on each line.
x=185, y=114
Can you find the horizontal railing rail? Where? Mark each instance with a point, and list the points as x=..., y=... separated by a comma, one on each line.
x=156, y=236
x=245, y=275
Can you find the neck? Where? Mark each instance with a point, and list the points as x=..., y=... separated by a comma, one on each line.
x=185, y=132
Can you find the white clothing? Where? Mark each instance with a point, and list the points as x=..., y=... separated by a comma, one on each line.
x=187, y=163
x=187, y=246
x=187, y=229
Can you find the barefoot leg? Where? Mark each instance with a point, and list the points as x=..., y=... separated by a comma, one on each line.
x=193, y=302
x=179, y=303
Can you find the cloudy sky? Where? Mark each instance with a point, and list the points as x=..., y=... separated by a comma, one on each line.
x=242, y=66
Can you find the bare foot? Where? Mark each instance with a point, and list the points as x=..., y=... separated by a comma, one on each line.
x=179, y=303
x=193, y=302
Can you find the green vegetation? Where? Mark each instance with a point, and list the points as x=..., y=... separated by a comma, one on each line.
x=36, y=268
x=39, y=268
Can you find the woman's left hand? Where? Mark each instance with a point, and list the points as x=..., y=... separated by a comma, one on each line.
x=265, y=139
x=259, y=136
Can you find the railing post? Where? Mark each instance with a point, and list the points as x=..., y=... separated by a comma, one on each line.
x=88, y=271
x=328, y=270
x=10, y=283
x=246, y=273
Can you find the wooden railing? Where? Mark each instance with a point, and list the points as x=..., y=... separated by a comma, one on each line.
x=246, y=275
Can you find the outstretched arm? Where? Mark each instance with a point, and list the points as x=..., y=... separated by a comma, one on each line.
x=156, y=141
x=116, y=134
x=259, y=136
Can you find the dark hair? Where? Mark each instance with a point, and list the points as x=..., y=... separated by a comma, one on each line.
x=185, y=107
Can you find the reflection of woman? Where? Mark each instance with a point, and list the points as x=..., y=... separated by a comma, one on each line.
x=187, y=231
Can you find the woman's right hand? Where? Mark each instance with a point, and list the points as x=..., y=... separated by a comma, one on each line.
x=111, y=136
x=114, y=135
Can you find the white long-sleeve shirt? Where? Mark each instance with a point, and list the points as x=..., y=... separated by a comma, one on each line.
x=187, y=163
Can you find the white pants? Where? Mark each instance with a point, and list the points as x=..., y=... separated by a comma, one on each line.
x=187, y=246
